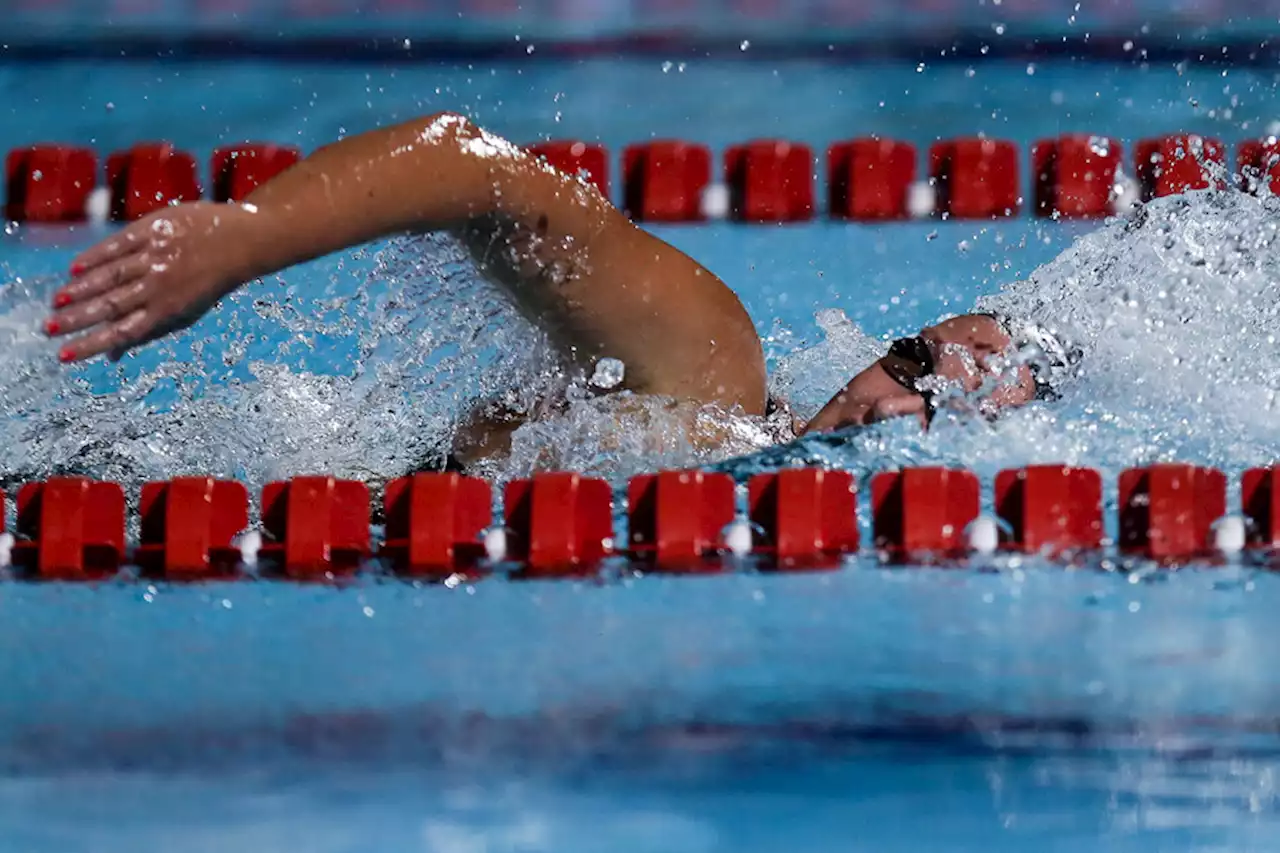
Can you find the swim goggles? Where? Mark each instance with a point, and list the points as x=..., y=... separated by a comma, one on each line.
x=908, y=361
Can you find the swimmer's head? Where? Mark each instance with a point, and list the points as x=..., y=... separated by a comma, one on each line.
x=1052, y=357
x=973, y=360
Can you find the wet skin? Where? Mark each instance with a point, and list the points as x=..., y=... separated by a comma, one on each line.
x=571, y=262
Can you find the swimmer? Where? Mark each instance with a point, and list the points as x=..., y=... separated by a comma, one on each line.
x=599, y=286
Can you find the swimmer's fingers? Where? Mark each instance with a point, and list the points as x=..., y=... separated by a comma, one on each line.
x=103, y=278
x=123, y=242
x=115, y=338
x=112, y=306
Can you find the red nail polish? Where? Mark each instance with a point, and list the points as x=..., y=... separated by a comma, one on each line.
x=77, y=268
x=66, y=354
x=61, y=300
x=51, y=327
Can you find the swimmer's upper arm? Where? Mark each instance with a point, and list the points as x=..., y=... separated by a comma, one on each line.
x=678, y=328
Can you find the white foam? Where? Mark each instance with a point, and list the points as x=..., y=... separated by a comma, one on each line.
x=426, y=336
x=1125, y=192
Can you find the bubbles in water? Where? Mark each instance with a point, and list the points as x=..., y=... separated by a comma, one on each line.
x=271, y=398
x=1175, y=309
x=608, y=374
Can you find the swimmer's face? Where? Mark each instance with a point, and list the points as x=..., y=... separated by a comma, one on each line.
x=970, y=366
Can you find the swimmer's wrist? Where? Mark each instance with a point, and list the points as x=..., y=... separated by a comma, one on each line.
x=261, y=246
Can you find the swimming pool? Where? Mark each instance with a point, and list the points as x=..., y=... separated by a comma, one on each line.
x=865, y=709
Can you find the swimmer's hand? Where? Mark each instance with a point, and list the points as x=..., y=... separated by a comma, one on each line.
x=158, y=275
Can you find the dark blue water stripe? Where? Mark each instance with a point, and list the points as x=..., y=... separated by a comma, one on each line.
x=403, y=48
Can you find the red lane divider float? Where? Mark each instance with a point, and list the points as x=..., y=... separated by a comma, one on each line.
x=868, y=179
x=1053, y=510
x=1167, y=512
x=1260, y=505
x=70, y=529
x=577, y=158
x=664, y=181
x=806, y=518
x=1258, y=164
x=434, y=523
x=559, y=524
x=315, y=527
x=975, y=178
x=1075, y=176
x=923, y=514
x=150, y=176
x=240, y=169
x=189, y=526
x=676, y=519
x=769, y=181
x=1175, y=164
x=49, y=183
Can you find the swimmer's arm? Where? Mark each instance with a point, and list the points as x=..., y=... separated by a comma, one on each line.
x=870, y=397
x=679, y=330
x=429, y=174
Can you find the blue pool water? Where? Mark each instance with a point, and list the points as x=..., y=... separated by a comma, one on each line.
x=869, y=709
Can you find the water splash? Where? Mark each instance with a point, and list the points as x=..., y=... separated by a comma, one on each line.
x=1177, y=310
x=363, y=382
x=1175, y=307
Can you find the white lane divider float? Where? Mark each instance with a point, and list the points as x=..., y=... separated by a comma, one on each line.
x=249, y=543
x=97, y=207
x=984, y=535
x=715, y=201
x=1229, y=535
x=737, y=538
x=922, y=200
x=495, y=544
